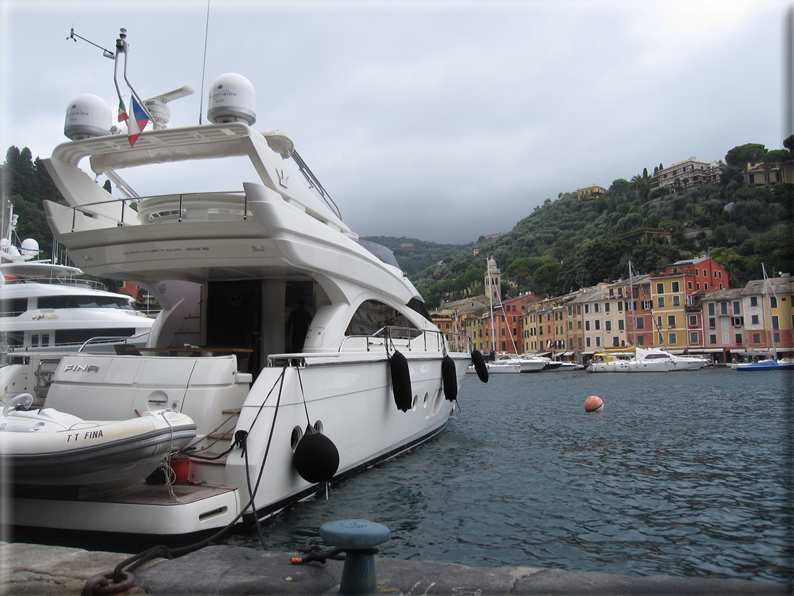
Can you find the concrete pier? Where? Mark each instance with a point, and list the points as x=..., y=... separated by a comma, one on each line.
x=221, y=570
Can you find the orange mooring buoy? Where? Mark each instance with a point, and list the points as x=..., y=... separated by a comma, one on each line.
x=593, y=403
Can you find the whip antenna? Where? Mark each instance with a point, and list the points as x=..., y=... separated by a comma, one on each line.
x=204, y=65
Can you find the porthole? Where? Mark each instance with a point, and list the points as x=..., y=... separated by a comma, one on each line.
x=297, y=435
x=424, y=401
x=318, y=426
x=414, y=402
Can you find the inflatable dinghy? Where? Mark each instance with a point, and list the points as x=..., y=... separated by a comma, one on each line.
x=46, y=447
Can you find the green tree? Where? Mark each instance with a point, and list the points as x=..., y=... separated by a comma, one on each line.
x=642, y=186
x=545, y=279
x=788, y=143
x=740, y=156
x=523, y=267
x=27, y=184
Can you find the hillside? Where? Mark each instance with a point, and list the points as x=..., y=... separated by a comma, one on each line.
x=413, y=255
x=571, y=243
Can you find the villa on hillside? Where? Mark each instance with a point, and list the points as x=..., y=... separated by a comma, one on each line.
x=687, y=174
x=587, y=192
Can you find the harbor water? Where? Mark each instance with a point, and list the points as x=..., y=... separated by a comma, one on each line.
x=685, y=474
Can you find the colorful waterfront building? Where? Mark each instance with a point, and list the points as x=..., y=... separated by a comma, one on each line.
x=638, y=311
x=592, y=302
x=723, y=323
x=678, y=318
x=769, y=315
x=574, y=332
x=532, y=320
x=616, y=303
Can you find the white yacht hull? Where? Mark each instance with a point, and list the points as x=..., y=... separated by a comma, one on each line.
x=348, y=396
x=630, y=366
x=506, y=368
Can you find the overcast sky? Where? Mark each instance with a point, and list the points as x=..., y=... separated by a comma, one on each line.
x=438, y=120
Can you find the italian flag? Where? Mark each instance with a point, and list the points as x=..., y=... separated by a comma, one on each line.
x=137, y=123
x=122, y=111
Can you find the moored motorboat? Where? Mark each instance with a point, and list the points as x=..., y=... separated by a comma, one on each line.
x=45, y=447
x=279, y=411
x=527, y=363
x=768, y=364
x=550, y=365
x=644, y=360
x=50, y=307
x=568, y=366
x=503, y=366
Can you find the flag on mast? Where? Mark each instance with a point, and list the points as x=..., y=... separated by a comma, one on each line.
x=137, y=123
x=122, y=111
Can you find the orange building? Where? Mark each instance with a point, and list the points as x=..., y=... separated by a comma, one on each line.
x=678, y=315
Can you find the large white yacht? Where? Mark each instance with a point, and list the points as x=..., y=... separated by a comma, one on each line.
x=49, y=307
x=275, y=421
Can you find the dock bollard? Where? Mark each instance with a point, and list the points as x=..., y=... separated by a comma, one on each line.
x=359, y=539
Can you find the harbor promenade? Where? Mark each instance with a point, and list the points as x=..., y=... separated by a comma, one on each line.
x=32, y=569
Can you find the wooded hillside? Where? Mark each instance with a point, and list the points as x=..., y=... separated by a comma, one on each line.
x=570, y=243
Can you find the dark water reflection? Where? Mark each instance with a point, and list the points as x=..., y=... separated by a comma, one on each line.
x=683, y=474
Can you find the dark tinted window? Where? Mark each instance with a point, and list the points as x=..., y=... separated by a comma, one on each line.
x=417, y=305
x=13, y=307
x=79, y=301
x=372, y=316
x=74, y=336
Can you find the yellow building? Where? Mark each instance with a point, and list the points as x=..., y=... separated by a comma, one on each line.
x=587, y=192
x=769, y=314
x=677, y=315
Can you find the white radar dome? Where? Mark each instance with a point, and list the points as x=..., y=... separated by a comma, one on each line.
x=87, y=116
x=30, y=248
x=232, y=99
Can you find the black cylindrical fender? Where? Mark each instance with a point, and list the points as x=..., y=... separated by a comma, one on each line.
x=401, y=381
x=479, y=365
x=449, y=375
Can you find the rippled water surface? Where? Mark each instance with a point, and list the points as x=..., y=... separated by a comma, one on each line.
x=683, y=474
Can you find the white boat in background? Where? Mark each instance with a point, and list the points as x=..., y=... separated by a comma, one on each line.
x=503, y=365
x=47, y=307
x=278, y=412
x=644, y=360
x=48, y=448
x=639, y=359
x=527, y=363
x=550, y=365
x=568, y=366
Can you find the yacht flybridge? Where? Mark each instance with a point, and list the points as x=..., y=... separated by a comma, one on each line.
x=372, y=378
